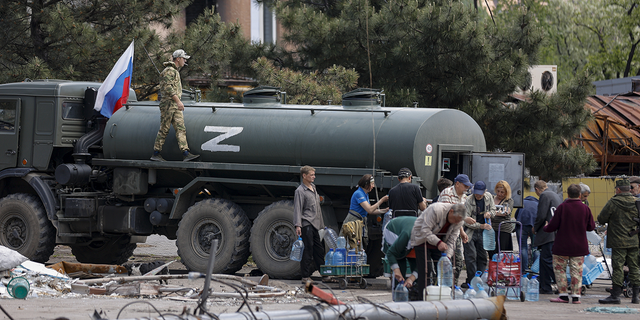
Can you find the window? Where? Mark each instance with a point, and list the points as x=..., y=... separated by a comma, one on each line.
x=7, y=116
x=72, y=110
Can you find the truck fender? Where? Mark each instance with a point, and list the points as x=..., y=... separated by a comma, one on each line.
x=44, y=193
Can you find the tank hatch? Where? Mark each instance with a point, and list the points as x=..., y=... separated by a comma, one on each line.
x=262, y=95
x=362, y=98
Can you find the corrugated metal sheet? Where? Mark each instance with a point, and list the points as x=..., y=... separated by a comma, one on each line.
x=616, y=129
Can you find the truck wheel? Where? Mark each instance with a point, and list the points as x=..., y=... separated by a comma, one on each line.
x=24, y=227
x=214, y=219
x=272, y=236
x=115, y=250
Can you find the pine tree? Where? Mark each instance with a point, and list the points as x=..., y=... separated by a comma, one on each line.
x=444, y=54
x=82, y=40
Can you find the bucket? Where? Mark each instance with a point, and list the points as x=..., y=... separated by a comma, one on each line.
x=18, y=288
x=436, y=293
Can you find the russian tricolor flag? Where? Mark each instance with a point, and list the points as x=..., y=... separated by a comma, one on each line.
x=114, y=92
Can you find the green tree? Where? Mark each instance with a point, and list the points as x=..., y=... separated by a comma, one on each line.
x=81, y=40
x=317, y=87
x=445, y=54
x=599, y=35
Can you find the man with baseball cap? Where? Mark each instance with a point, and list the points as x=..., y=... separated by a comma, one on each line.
x=457, y=194
x=406, y=197
x=481, y=208
x=171, y=107
x=619, y=213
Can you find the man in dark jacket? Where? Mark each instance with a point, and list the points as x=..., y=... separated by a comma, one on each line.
x=619, y=213
x=527, y=217
x=548, y=203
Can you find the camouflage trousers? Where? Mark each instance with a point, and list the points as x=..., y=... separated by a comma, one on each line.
x=171, y=116
x=618, y=257
x=575, y=269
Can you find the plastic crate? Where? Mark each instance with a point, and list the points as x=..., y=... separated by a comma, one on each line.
x=592, y=274
x=344, y=270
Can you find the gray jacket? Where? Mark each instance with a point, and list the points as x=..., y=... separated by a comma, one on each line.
x=548, y=200
x=489, y=206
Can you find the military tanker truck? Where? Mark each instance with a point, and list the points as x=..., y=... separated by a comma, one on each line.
x=69, y=176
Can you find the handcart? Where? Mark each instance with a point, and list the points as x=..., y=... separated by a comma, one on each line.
x=597, y=247
x=433, y=290
x=504, y=271
x=345, y=274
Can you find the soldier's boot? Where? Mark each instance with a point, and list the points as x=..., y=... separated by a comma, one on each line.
x=614, y=298
x=634, y=297
x=156, y=156
x=188, y=156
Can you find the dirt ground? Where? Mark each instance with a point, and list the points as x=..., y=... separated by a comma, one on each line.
x=81, y=306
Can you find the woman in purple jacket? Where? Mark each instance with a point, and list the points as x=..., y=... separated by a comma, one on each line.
x=572, y=220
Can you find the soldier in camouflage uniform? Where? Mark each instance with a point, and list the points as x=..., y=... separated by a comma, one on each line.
x=171, y=107
x=619, y=213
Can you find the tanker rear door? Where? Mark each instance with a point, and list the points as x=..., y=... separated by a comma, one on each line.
x=492, y=167
x=9, y=132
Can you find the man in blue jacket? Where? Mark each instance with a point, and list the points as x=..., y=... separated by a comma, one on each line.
x=527, y=217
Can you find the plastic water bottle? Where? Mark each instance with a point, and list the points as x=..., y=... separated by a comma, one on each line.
x=362, y=258
x=341, y=242
x=328, y=258
x=470, y=293
x=524, y=281
x=477, y=280
x=401, y=293
x=481, y=293
x=338, y=258
x=533, y=290
x=330, y=237
x=458, y=294
x=296, y=250
x=489, y=238
x=445, y=271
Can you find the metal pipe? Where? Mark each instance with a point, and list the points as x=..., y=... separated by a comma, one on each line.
x=491, y=308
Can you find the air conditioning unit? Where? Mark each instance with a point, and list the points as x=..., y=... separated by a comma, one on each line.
x=543, y=78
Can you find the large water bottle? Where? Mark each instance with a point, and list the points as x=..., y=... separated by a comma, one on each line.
x=330, y=237
x=338, y=258
x=533, y=290
x=445, y=271
x=524, y=281
x=401, y=293
x=470, y=293
x=328, y=258
x=362, y=258
x=296, y=250
x=341, y=242
x=458, y=294
x=481, y=293
x=477, y=280
x=489, y=238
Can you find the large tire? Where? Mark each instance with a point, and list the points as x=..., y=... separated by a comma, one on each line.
x=113, y=250
x=24, y=227
x=214, y=219
x=272, y=236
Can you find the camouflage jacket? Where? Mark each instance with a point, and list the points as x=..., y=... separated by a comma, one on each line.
x=170, y=83
x=619, y=213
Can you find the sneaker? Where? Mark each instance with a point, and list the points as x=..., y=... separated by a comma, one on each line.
x=157, y=157
x=576, y=300
x=190, y=156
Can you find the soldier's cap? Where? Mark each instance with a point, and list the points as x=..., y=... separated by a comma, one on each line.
x=180, y=54
x=404, y=173
x=622, y=182
x=634, y=180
